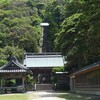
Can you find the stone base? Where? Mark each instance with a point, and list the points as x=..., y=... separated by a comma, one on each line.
x=89, y=92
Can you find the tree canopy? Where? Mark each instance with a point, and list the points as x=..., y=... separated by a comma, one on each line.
x=74, y=29
x=79, y=35
x=20, y=29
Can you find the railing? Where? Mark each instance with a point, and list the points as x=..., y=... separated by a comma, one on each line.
x=12, y=89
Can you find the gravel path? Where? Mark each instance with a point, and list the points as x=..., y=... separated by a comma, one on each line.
x=44, y=95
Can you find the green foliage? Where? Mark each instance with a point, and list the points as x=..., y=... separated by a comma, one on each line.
x=19, y=28
x=79, y=36
x=21, y=23
x=29, y=80
x=10, y=51
x=2, y=62
x=2, y=39
x=73, y=30
x=14, y=96
x=54, y=14
x=58, y=69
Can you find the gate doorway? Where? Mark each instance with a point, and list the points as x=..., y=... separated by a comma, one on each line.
x=41, y=65
x=44, y=78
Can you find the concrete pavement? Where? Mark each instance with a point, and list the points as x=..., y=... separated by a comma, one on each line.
x=45, y=95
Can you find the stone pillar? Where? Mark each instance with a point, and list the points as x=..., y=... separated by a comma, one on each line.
x=72, y=83
x=41, y=41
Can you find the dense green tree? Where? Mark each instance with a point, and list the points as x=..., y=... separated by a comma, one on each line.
x=2, y=39
x=79, y=36
x=74, y=29
x=54, y=15
x=9, y=51
x=19, y=28
x=21, y=24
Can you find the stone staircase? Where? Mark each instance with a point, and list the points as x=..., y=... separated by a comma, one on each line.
x=43, y=86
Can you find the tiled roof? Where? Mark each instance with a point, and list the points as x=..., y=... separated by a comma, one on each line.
x=44, y=60
x=13, y=66
x=97, y=64
x=10, y=71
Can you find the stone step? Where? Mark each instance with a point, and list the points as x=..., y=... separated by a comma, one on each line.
x=43, y=86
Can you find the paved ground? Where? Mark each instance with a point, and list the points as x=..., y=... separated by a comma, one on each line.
x=45, y=95
x=54, y=95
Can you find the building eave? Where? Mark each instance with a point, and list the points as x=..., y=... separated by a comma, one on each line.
x=87, y=69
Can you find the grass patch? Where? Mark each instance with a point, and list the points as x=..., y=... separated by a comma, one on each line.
x=14, y=97
x=71, y=96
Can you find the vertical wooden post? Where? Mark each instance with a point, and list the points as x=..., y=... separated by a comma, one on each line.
x=1, y=82
x=23, y=84
x=1, y=86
